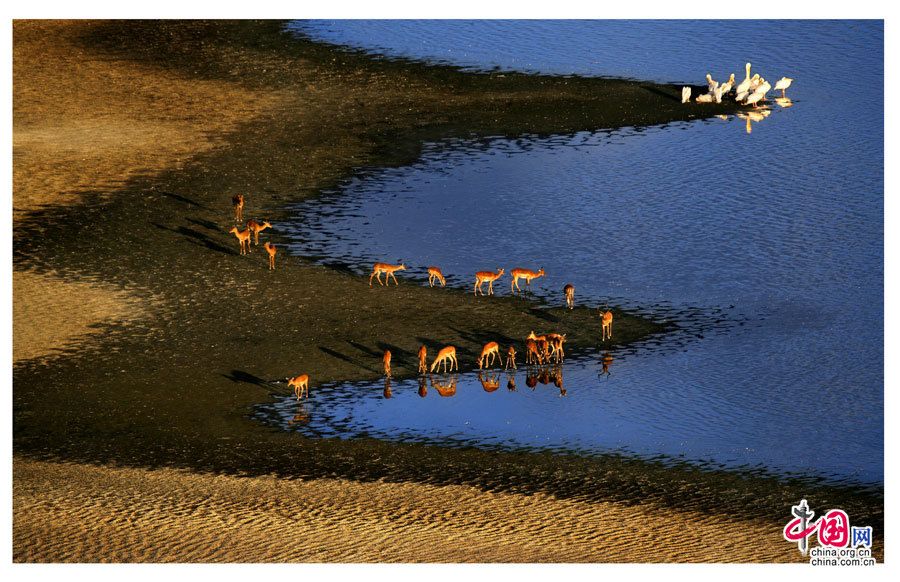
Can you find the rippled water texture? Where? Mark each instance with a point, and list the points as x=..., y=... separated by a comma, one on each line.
x=778, y=231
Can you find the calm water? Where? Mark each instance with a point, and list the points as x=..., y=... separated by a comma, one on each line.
x=767, y=247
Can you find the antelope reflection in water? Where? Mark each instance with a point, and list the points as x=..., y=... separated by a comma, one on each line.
x=301, y=416
x=490, y=381
x=387, y=387
x=445, y=389
x=545, y=375
x=606, y=361
x=423, y=386
x=511, y=381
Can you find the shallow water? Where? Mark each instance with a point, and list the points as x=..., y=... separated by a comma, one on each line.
x=767, y=248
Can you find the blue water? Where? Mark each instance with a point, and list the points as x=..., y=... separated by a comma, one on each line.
x=762, y=237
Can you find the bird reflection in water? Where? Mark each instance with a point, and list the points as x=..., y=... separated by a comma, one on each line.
x=387, y=387
x=784, y=102
x=445, y=388
x=754, y=117
x=489, y=381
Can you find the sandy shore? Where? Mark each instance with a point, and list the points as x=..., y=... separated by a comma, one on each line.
x=84, y=513
x=129, y=140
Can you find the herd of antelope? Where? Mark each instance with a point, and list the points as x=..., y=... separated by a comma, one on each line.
x=540, y=350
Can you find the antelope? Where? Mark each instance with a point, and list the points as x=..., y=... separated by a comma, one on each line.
x=243, y=237
x=532, y=355
x=606, y=330
x=387, y=387
x=569, y=290
x=556, y=342
x=543, y=344
x=444, y=390
x=387, y=363
x=490, y=382
x=488, y=277
x=524, y=274
x=270, y=248
x=388, y=271
x=447, y=353
x=435, y=274
x=257, y=228
x=238, y=202
x=511, y=358
x=300, y=384
x=490, y=349
x=423, y=367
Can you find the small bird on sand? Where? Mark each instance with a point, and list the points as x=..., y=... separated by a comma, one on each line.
x=782, y=84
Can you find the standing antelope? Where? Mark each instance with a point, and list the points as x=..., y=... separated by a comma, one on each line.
x=238, y=202
x=387, y=363
x=606, y=330
x=300, y=384
x=388, y=271
x=257, y=228
x=270, y=248
x=490, y=349
x=435, y=274
x=243, y=237
x=569, y=290
x=447, y=353
x=511, y=358
x=488, y=277
x=423, y=366
x=556, y=342
x=524, y=274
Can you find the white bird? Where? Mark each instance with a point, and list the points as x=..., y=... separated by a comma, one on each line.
x=745, y=84
x=705, y=98
x=782, y=84
x=710, y=83
x=741, y=96
x=755, y=82
x=727, y=85
x=763, y=88
x=717, y=94
x=753, y=99
x=685, y=94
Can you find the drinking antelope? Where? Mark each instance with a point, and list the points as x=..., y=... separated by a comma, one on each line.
x=257, y=228
x=388, y=271
x=524, y=274
x=300, y=384
x=446, y=354
x=243, y=237
x=270, y=248
x=435, y=274
x=488, y=277
x=569, y=290
x=532, y=355
x=511, y=358
x=490, y=349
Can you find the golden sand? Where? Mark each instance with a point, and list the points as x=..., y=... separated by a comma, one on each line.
x=84, y=513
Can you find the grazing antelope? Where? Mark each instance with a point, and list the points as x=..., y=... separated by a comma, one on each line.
x=490, y=382
x=387, y=387
x=243, y=237
x=543, y=344
x=606, y=330
x=423, y=366
x=524, y=274
x=556, y=342
x=270, y=248
x=300, y=384
x=490, y=349
x=447, y=353
x=257, y=228
x=488, y=277
x=238, y=202
x=569, y=290
x=445, y=390
x=387, y=363
x=435, y=274
x=423, y=386
x=388, y=271
x=532, y=354
x=511, y=358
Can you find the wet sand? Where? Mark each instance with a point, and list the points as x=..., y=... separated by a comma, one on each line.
x=122, y=188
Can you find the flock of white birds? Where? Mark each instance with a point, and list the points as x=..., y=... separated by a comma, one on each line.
x=750, y=91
